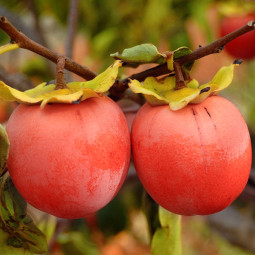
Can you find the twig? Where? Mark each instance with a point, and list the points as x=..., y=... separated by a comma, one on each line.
x=215, y=47
x=32, y=7
x=71, y=29
x=120, y=86
x=15, y=80
x=26, y=43
x=72, y=25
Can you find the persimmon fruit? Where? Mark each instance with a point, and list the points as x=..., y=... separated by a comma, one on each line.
x=195, y=160
x=69, y=160
x=242, y=47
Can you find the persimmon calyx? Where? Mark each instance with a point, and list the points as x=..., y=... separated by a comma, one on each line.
x=160, y=92
x=74, y=93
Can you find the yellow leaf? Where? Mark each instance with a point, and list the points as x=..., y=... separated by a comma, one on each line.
x=223, y=77
x=152, y=95
x=8, y=47
x=10, y=94
x=170, y=63
x=180, y=98
x=105, y=80
x=74, y=93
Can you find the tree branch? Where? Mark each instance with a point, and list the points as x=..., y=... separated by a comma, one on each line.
x=215, y=47
x=72, y=25
x=121, y=85
x=26, y=43
x=71, y=29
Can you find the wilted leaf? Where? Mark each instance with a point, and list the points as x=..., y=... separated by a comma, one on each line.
x=137, y=87
x=4, y=150
x=167, y=239
x=33, y=239
x=140, y=54
x=17, y=228
x=6, y=247
x=76, y=91
x=222, y=78
x=180, y=98
x=220, y=81
x=163, y=92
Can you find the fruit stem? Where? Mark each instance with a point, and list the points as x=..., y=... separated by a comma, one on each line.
x=60, y=74
x=180, y=83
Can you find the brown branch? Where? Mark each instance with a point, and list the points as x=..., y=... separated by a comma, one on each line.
x=26, y=43
x=215, y=47
x=120, y=86
x=60, y=74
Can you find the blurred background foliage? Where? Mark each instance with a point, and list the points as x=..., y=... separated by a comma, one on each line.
x=105, y=27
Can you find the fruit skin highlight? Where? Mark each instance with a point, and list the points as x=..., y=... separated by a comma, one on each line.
x=195, y=160
x=242, y=47
x=69, y=160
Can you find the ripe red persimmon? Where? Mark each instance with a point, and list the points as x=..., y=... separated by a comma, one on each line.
x=242, y=47
x=193, y=161
x=69, y=160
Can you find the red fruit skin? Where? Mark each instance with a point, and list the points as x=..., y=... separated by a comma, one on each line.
x=244, y=46
x=69, y=160
x=193, y=161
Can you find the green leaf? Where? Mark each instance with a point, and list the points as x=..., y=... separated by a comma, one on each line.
x=77, y=243
x=4, y=150
x=182, y=51
x=47, y=224
x=76, y=91
x=18, y=202
x=141, y=54
x=18, y=228
x=167, y=239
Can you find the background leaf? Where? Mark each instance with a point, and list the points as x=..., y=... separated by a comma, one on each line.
x=4, y=150
x=140, y=54
x=167, y=239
